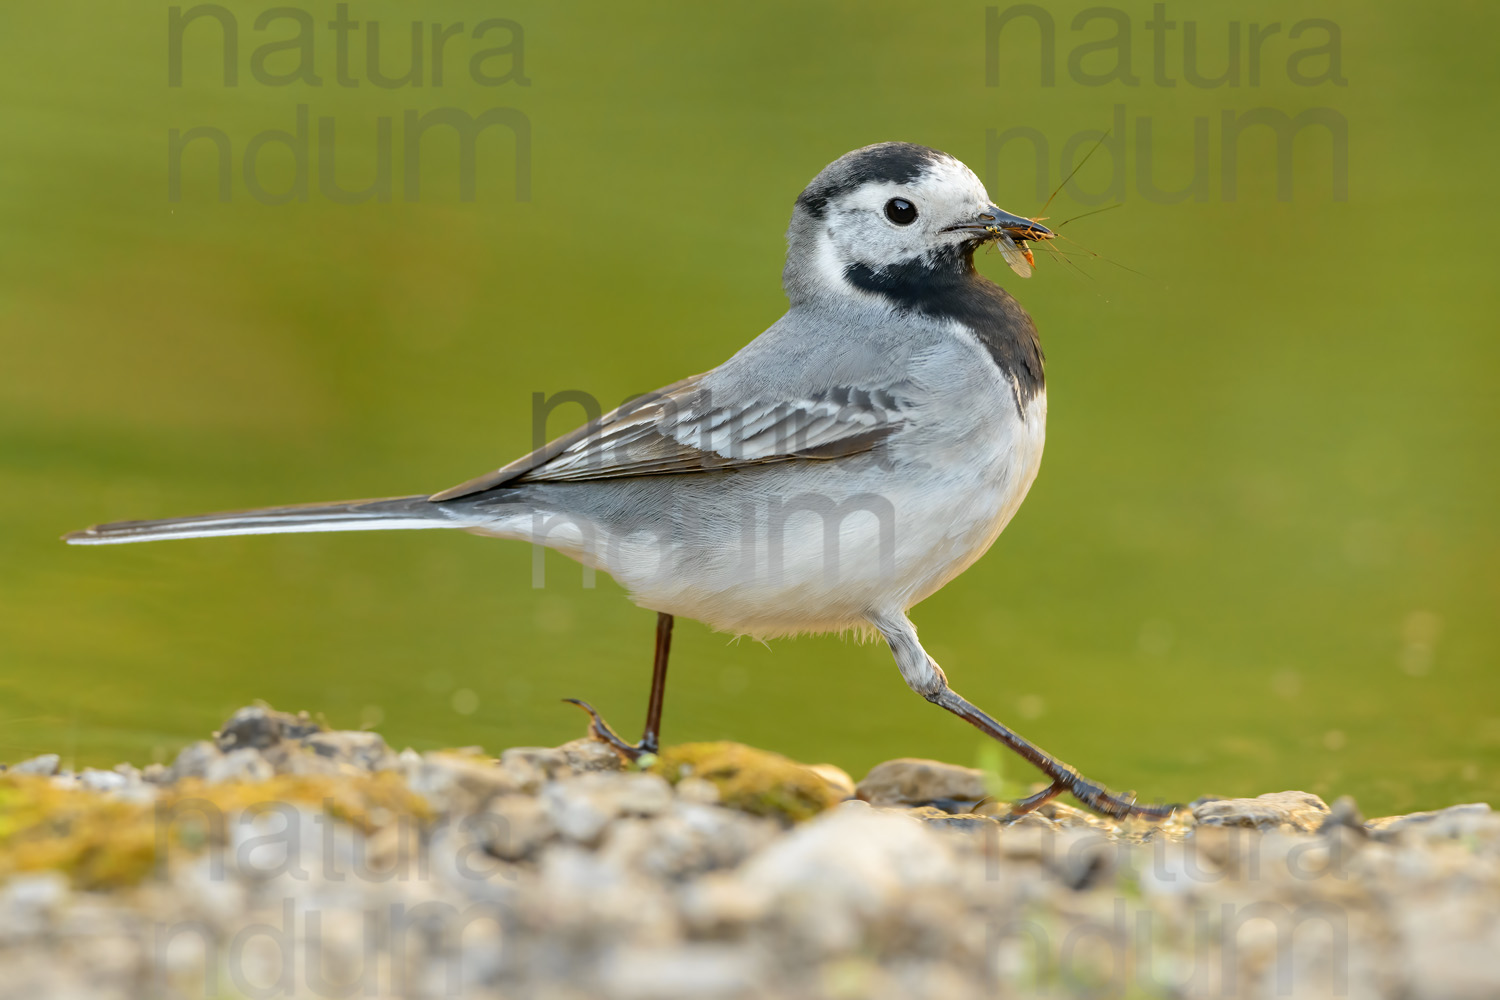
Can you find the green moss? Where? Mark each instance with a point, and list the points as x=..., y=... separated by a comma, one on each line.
x=95, y=840
x=103, y=842
x=755, y=781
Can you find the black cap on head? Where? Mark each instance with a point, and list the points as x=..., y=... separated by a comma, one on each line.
x=891, y=162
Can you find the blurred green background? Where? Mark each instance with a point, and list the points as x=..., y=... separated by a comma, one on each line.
x=1262, y=552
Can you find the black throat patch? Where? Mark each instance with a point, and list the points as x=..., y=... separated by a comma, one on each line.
x=946, y=286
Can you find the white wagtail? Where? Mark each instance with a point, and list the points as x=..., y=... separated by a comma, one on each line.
x=844, y=465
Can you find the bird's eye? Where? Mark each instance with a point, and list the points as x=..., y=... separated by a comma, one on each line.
x=900, y=211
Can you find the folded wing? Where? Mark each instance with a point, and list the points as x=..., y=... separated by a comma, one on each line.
x=682, y=430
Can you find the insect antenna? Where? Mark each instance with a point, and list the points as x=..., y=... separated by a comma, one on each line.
x=1067, y=259
x=1071, y=174
x=1099, y=256
x=1059, y=252
x=1085, y=215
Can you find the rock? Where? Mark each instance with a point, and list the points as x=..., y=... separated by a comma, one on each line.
x=363, y=750
x=1449, y=937
x=332, y=753
x=912, y=781
x=514, y=827
x=456, y=856
x=581, y=808
x=29, y=904
x=37, y=890
x=579, y=813
x=1302, y=812
x=691, y=839
x=720, y=904
x=1071, y=817
x=260, y=728
x=641, y=794
x=1343, y=813
x=1452, y=822
x=45, y=765
x=838, y=779
x=700, y=790
x=721, y=871
x=578, y=757
x=588, y=755
x=193, y=761
x=103, y=781
x=460, y=784
x=585, y=902
x=1083, y=858
x=244, y=764
x=834, y=879
x=861, y=856
x=1034, y=839
x=683, y=972
x=295, y=744
x=938, y=819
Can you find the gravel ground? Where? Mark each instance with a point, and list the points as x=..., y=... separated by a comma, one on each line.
x=280, y=859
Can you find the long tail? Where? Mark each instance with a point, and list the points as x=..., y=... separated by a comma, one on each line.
x=357, y=515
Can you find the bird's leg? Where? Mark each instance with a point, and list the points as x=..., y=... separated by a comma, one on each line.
x=924, y=676
x=599, y=729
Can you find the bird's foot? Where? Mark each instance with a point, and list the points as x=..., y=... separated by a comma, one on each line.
x=599, y=730
x=1093, y=795
x=1064, y=778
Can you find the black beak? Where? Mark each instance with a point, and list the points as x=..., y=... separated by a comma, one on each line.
x=995, y=220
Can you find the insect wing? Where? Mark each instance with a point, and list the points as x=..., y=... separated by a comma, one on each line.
x=1014, y=255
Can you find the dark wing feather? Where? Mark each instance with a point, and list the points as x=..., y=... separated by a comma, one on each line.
x=678, y=430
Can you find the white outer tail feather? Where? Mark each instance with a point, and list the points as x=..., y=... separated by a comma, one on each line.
x=396, y=513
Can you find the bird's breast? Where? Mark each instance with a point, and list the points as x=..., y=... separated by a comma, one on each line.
x=973, y=486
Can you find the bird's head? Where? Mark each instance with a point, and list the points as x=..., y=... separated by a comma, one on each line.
x=896, y=211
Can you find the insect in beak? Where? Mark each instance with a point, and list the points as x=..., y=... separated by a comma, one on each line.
x=1009, y=233
x=1015, y=251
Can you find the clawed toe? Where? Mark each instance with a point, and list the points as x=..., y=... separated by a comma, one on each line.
x=1093, y=796
x=1036, y=800
x=600, y=730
